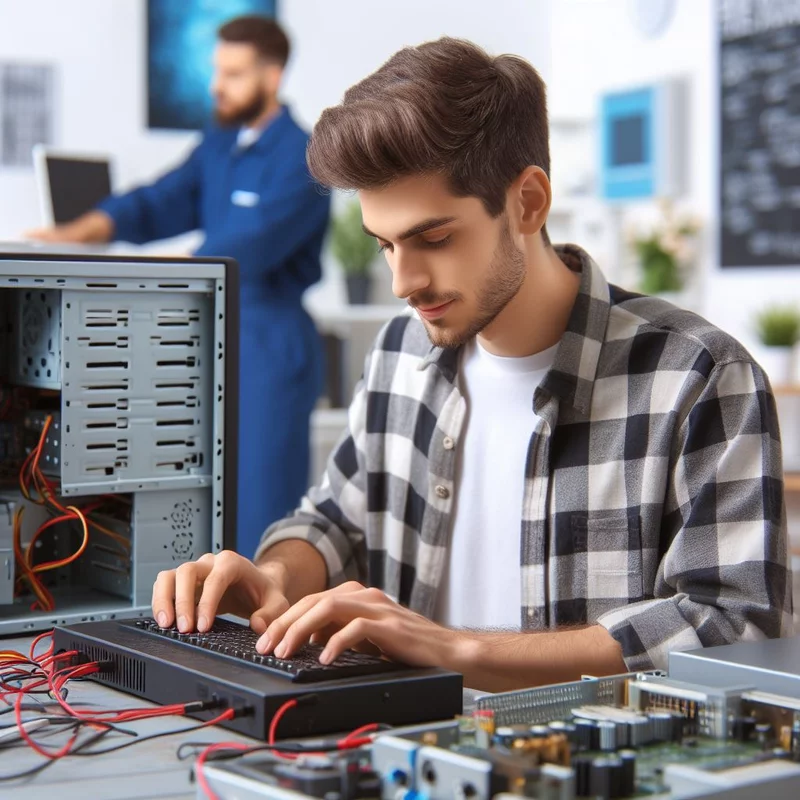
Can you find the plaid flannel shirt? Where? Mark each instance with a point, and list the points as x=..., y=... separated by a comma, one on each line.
x=653, y=499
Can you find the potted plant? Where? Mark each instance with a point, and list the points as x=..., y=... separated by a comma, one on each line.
x=664, y=251
x=355, y=252
x=778, y=329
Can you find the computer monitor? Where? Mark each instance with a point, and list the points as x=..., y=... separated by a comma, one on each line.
x=70, y=184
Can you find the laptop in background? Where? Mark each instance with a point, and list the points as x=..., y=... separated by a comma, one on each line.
x=69, y=184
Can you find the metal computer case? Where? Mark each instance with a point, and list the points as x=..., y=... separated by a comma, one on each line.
x=141, y=357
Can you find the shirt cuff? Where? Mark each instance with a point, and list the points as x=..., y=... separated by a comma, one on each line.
x=323, y=543
x=114, y=207
x=648, y=632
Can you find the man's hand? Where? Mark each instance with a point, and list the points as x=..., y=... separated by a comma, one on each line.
x=226, y=583
x=352, y=616
x=55, y=234
x=94, y=227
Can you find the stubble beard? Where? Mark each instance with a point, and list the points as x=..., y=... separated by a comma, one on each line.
x=504, y=279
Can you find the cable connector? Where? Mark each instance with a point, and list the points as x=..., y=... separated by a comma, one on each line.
x=203, y=705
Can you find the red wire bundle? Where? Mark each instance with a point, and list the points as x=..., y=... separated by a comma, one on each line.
x=46, y=673
x=38, y=488
x=44, y=668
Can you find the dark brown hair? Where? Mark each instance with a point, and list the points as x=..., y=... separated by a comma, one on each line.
x=263, y=33
x=444, y=107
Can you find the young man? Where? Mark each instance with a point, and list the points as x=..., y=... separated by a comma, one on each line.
x=543, y=475
x=246, y=185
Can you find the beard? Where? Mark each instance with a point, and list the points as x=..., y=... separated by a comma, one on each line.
x=505, y=276
x=245, y=114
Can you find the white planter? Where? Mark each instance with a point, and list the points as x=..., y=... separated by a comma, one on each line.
x=778, y=363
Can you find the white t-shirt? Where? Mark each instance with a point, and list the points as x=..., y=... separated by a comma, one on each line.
x=481, y=582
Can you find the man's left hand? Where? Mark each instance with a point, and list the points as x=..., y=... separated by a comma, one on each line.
x=353, y=616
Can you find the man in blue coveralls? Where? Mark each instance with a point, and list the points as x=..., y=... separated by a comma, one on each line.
x=246, y=185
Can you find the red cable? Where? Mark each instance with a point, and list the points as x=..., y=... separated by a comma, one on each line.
x=372, y=726
x=201, y=760
x=353, y=743
x=36, y=641
x=61, y=677
x=29, y=741
x=273, y=725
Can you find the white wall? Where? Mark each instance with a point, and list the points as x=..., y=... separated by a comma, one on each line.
x=596, y=48
x=338, y=43
x=98, y=48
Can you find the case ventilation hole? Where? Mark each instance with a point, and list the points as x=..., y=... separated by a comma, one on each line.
x=181, y=521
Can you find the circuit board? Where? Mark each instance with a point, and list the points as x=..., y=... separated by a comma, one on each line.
x=629, y=736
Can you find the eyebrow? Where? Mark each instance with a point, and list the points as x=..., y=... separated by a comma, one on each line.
x=416, y=230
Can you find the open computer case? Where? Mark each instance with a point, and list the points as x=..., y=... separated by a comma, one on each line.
x=118, y=411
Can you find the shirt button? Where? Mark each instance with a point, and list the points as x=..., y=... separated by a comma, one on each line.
x=442, y=491
x=448, y=443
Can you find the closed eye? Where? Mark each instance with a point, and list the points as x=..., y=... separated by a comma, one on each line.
x=426, y=243
x=437, y=243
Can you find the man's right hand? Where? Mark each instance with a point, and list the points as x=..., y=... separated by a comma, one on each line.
x=94, y=227
x=225, y=583
x=58, y=233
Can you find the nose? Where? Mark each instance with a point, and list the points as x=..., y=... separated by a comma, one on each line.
x=408, y=274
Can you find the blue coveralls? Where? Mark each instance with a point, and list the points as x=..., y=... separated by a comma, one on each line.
x=259, y=206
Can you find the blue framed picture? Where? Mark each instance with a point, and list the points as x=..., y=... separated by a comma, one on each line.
x=181, y=35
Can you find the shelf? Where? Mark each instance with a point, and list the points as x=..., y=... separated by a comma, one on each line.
x=787, y=390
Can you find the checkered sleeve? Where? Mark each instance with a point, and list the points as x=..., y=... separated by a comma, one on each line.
x=331, y=517
x=723, y=574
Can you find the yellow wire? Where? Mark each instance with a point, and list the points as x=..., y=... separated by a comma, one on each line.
x=44, y=602
x=115, y=536
x=81, y=550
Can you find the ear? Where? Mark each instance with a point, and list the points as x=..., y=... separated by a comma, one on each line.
x=272, y=78
x=529, y=200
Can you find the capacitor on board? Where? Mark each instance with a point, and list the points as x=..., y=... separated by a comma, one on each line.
x=607, y=734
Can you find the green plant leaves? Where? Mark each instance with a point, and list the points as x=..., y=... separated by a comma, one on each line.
x=778, y=326
x=351, y=247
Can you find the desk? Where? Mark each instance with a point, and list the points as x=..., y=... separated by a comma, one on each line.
x=146, y=770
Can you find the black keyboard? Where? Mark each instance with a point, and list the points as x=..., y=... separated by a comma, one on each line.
x=232, y=640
